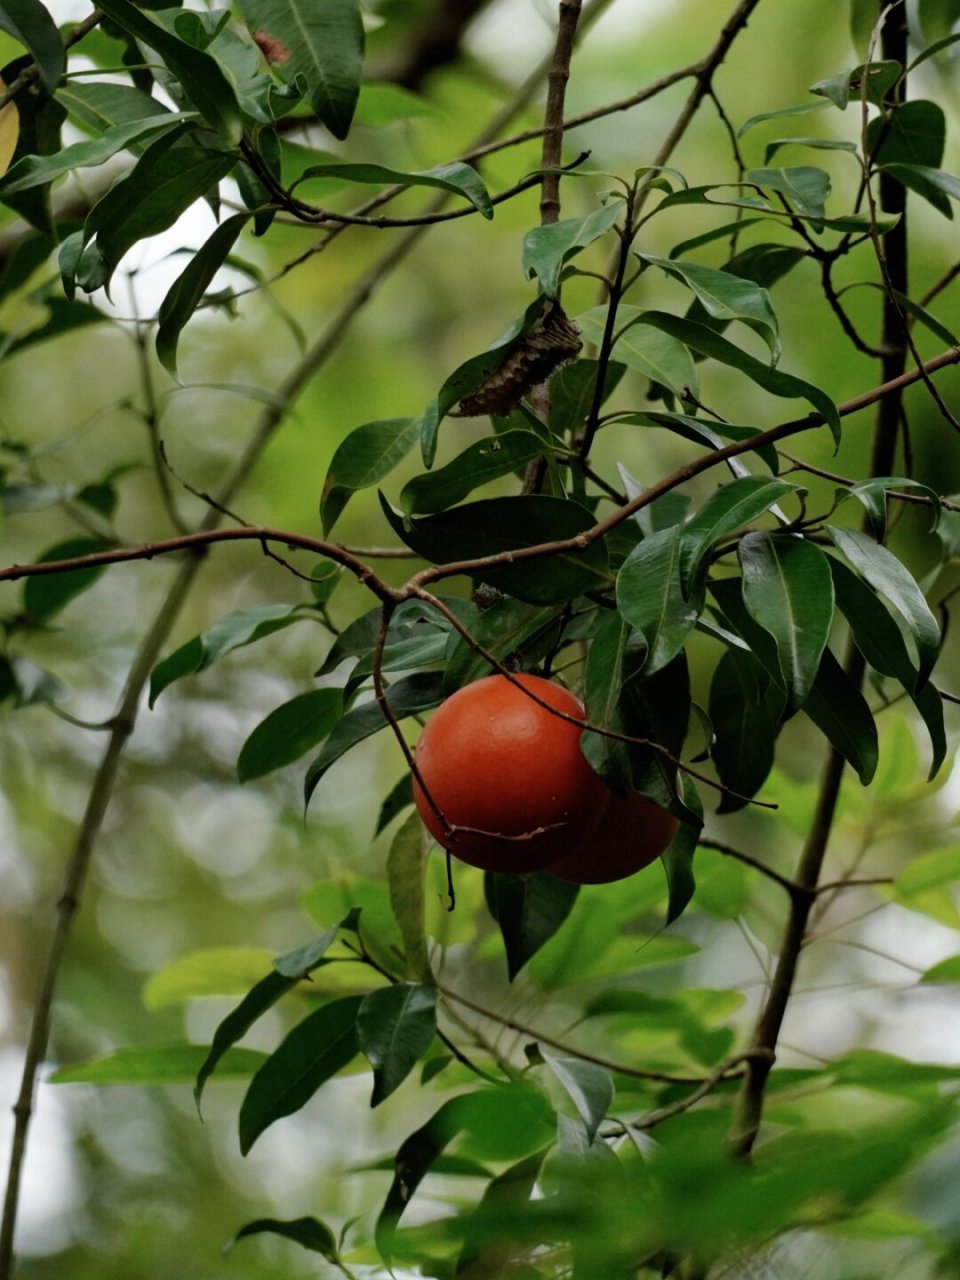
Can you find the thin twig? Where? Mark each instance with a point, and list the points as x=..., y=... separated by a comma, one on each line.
x=706, y=842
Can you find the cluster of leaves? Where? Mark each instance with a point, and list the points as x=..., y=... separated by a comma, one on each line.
x=613, y=599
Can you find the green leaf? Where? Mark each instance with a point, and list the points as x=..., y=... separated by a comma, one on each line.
x=945, y=971
x=547, y=248
x=725, y=296
x=913, y=134
x=881, y=76
x=319, y=51
x=937, y=17
x=603, y=682
x=289, y=732
x=47, y=594
x=481, y=462
x=302, y=960
x=590, y=1088
x=677, y=858
x=659, y=356
x=366, y=455
x=529, y=910
x=236, y=630
x=164, y=1064
x=931, y=183
x=37, y=171
x=572, y=391
x=804, y=109
x=214, y=971
x=413, y=693
x=311, y=1233
x=806, y=187
x=775, y=381
x=656, y=708
x=320, y=1046
x=929, y=703
x=200, y=75
x=727, y=509
x=502, y=630
x=874, y=631
x=887, y=575
x=723, y=232
x=745, y=721
x=406, y=867
x=399, y=798
x=185, y=294
x=788, y=590
x=839, y=710
x=872, y=494
x=396, y=1026
x=818, y=144
x=29, y=22
x=716, y=434
x=490, y=1235
x=459, y=178
x=99, y=106
x=495, y=525
x=650, y=596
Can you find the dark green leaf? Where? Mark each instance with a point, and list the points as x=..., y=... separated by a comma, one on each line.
x=319, y=49
x=396, y=1026
x=887, y=575
x=723, y=232
x=913, y=134
x=366, y=455
x=99, y=106
x=459, y=178
x=480, y=462
x=728, y=593
x=46, y=594
x=24, y=684
x=818, y=144
x=244, y=627
x=775, y=381
x=727, y=509
x=289, y=732
x=603, y=680
x=881, y=76
x=29, y=22
x=872, y=494
x=406, y=866
x=296, y=964
x=529, y=910
x=320, y=1046
x=838, y=709
x=745, y=721
x=399, y=797
x=788, y=590
x=650, y=597
x=589, y=1086
x=413, y=693
x=677, y=858
x=200, y=75
x=501, y=630
x=659, y=356
x=495, y=525
x=933, y=184
x=874, y=631
x=572, y=391
x=929, y=703
x=716, y=434
x=489, y=1246
x=163, y=1064
x=186, y=292
x=547, y=248
x=656, y=709
x=725, y=296
x=311, y=1233
x=806, y=187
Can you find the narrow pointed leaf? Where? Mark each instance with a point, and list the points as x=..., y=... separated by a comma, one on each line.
x=840, y=711
x=406, y=865
x=660, y=356
x=547, y=248
x=321, y=1045
x=396, y=1026
x=289, y=732
x=650, y=597
x=874, y=631
x=728, y=509
x=529, y=910
x=502, y=629
x=366, y=455
x=934, y=185
x=887, y=575
x=29, y=22
x=162, y=1064
x=480, y=462
x=744, y=723
x=311, y=1233
x=459, y=178
x=590, y=1088
x=677, y=858
x=788, y=590
x=47, y=594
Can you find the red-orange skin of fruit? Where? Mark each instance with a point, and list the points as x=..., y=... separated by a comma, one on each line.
x=508, y=775
x=632, y=833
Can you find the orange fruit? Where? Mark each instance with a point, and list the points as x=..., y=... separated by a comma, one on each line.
x=633, y=832
x=508, y=775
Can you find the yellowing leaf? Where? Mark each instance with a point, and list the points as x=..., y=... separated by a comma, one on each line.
x=9, y=132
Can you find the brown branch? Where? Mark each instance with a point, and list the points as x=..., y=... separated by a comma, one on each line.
x=784, y=882
x=707, y=1086
x=918, y=499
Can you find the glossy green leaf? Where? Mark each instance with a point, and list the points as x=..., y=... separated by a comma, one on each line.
x=728, y=593
x=872, y=495
x=163, y=1064
x=934, y=185
x=311, y=1233
x=651, y=598
x=37, y=171
x=547, y=248
x=661, y=357
x=699, y=338
x=727, y=509
x=46, y=594
x=406, y=868
x=723, y=232
x=788, y=591
x=317, y=1048
x=913, y=134
x=302, y=960
x=29, y=22
x=590, y=1088
x=319, y=49
x=480, y=462
x=677, y=858
x=502, y=630
x=725, y=296
x=366, y=455
x=495, y=525
x=745, y=724
x=880, y=77
x=459, y=178
x=289, y=732
x=839, y=710
x=413, y=693
x=887, y=575
x=99, y=106
x=200, y=75
x=396, y=1026
x=213, y=971
x=716, y=434
x=603, y=680
x=185, y=294
x=806, y=187
x=529, y=910
x=874, y=631
x=929, y=704
x=236, y=630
